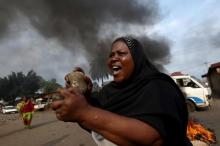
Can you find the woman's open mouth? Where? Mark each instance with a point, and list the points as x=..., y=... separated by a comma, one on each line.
x=116, y=70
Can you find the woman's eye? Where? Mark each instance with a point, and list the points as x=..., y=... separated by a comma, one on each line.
x=122, y=53
x=117, y=54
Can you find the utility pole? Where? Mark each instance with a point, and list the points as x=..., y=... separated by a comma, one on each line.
x=206, y=67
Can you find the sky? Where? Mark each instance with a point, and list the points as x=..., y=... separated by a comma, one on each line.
x=193, y=27
x=50, y=40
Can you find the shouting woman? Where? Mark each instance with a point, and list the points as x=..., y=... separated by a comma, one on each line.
x=141, y=106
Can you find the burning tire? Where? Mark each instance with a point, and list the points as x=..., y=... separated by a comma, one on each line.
x=190, y=106
x=200, y=135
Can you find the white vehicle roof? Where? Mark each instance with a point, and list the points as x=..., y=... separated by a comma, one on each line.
x=181, y=76
x=8, y=107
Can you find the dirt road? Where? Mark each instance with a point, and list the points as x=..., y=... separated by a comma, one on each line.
x=48, y=131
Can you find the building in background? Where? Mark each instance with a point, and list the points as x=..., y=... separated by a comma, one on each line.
x=213, y=76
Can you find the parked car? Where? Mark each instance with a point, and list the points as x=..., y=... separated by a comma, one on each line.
x=198, y=94
x=9, y=109
x=40, y=104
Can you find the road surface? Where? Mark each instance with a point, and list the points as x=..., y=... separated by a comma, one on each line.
x=48, y=131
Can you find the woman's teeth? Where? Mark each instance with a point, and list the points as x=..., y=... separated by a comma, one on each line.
x=115, y=70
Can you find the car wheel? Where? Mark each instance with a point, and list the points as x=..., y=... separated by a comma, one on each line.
x=190, y=106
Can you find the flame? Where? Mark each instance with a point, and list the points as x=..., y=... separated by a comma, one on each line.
x=196, y=131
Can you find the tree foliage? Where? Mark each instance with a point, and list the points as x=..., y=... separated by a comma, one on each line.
x=50, y=86
x=19, y=84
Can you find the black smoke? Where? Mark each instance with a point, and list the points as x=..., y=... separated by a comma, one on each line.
x=81, y=25
x=157, y=50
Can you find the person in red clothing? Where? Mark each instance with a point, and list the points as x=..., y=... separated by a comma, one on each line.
x=27, y=110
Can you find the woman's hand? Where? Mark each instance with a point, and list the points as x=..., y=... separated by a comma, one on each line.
x=116, y=128
x=73, y=106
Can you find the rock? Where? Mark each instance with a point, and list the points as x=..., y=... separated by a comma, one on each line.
x=77, y=79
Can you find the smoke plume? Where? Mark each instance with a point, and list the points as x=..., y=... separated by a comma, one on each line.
x=81, y=26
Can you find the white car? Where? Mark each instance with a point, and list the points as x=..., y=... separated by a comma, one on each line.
x=198, y=94
x=9, y=109
x=39, y=104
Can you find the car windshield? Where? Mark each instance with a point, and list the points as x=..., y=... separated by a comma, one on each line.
x=9, y=107
x=198, y=80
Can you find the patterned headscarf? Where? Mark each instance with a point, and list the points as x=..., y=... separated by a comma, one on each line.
x=143, y=67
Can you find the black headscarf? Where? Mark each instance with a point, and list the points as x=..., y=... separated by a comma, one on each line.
x=160, y=104
x=120, y=97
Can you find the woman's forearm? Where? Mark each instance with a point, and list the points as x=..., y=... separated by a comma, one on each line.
x=119, y=129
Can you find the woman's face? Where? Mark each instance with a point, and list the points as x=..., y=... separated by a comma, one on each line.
x=120, y=62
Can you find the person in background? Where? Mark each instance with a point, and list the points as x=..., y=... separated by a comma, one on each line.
x=140, y=107
x=20, y=105
x=26, y=109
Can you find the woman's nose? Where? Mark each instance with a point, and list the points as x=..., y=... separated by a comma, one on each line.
x=115, y=57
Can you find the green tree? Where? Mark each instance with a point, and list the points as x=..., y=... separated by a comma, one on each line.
x=18, y=84
x=31, y=83
x=50, y=86
x=4, y=87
